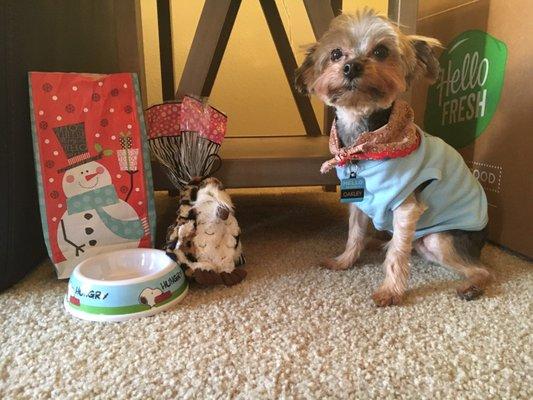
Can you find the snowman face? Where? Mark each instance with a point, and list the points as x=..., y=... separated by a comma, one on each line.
x=85, y=178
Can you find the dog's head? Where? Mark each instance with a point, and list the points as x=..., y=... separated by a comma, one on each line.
x=364, y=62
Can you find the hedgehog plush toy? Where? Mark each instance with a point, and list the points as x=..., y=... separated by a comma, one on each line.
x=205, y=238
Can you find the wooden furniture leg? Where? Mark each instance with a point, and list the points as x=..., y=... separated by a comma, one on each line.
x=208, y=46
x=286, y=56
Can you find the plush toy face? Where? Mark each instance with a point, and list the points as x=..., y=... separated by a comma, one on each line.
x=213, y=199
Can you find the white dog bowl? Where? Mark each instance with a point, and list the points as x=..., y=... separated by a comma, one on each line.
x=125, y=284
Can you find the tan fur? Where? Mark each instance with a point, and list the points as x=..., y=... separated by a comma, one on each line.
x=355, y=244
x=397, y=261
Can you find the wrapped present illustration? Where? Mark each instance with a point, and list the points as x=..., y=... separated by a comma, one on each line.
x=127, y=158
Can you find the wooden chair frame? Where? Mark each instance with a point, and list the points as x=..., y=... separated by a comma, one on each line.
x=252, y=161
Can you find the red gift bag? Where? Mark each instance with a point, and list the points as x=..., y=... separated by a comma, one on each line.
x=92, y=163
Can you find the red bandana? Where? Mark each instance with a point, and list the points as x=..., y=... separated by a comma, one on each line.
x=398, y=138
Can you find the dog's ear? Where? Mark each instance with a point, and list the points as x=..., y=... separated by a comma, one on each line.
x=427, y=64
x=303, y=74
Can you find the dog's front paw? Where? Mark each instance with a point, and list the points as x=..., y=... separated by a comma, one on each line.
x=326, y=167
x=385, y=297
x=469, y=292
x=336, y=264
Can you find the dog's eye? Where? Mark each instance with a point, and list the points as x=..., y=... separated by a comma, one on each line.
x=381, y=52
x=336, y=54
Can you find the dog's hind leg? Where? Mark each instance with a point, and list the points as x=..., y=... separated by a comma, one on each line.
x=396, y=264
x=354, y=245
x=459, y=251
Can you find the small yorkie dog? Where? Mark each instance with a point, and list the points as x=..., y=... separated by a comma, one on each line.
x=407, y=182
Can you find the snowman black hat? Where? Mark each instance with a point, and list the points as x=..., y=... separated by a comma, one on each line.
x=74, y=143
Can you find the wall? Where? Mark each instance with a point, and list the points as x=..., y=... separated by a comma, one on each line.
x=251, y=86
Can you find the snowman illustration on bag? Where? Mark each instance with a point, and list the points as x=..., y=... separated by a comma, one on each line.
x=95, y=215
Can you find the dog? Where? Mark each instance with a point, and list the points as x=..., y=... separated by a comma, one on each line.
x=413, y=184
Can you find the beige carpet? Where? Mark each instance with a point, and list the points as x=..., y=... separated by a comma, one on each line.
x=291, y=330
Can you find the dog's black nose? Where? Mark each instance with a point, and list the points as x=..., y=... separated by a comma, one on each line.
x=353, y=69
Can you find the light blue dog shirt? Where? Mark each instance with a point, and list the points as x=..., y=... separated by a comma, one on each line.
x=455, y=199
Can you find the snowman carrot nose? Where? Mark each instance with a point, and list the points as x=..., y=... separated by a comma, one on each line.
x=90, y=176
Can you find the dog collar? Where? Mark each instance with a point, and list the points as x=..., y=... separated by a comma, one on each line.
x=397, y=138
